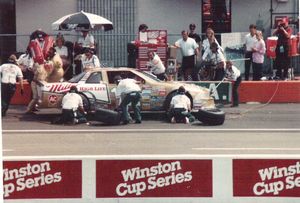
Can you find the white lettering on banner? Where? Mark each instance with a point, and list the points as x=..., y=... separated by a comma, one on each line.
x=273, y=173
x=22, y=181
x=153, y=181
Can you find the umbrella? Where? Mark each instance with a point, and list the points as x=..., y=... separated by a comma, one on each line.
x=82, y=21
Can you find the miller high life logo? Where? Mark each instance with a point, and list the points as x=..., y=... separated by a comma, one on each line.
x=59, y=87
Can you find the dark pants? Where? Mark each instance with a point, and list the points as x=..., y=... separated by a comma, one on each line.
x=68, y=116
x=180, y=114
x=133, y=98
x=188, y=67
x=235, y=93
x=248, y=63
x=7, y=92
x=282, y=61
x=257, y=71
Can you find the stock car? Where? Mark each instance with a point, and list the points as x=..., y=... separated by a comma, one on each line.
x=97, y=86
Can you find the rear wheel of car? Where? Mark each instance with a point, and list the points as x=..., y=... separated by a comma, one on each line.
x=211, y=116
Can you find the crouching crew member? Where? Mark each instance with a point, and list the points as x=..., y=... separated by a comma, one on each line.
x=180, y=108
x=72, y=108
x=232, y=73
x=9, y=72
x=156, y=66
x=129, y=92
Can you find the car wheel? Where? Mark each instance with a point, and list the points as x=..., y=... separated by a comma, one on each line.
x=86, y=103
x=206, y=74
x=211, y=116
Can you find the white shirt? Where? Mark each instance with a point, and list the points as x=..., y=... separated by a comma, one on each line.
x=93, y=62
x=187, y=47
x=126, y=86
x=232, y=74
x=157, y=67
x=71, y=101
x=26, y=61
x=206, y=45
x=63, y=51
x=10, y=72
x=87, y=41
x=249, y=41
x=181, y=101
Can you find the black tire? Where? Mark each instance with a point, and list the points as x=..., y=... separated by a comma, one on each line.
x=206, y=74
x=108, y=116
x=86, y=102
x=211, y=116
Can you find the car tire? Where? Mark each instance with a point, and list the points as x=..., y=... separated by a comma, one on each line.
x=86, y=102
x=211, y=116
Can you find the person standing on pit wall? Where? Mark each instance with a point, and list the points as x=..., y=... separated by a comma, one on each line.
x=9, y=72
x=89, y=60
x=233, y=74
x=129, y=92
x=250, y=40
x=194, y=35
x=282, y=61
x=189, y=50
x=259, y=50
x=156, y=66
x=180, y=107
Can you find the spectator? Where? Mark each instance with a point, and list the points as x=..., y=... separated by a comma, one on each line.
x=129, y=92
x=143, y=36
x=189, y=49
x=10, y=71
x=193, y=34
x=216, y=58
x=86, y=40
x=180, y=107
x=232, y=73
x=89, y=60
x=156, y=65
x=64, y=55
x=250, y=40
x=259, y=50
x=282, y=61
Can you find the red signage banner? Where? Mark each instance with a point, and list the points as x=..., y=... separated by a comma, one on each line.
x=42, y=179
x=153, y=178
x=266, y=178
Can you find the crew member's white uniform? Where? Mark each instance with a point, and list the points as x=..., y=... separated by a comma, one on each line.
x=126, y=86
x=26, y=61
x=206, y=45
x=215, y=57
x=187, y=47
x=250, y=41
x=88, y=41
x=232, y=74
x=63, y=51
x=72, y=101
x=157, y=67
x=92, y=62
x=10, y=72
x=181, y=101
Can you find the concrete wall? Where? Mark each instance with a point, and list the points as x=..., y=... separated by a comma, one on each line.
x=35, y=14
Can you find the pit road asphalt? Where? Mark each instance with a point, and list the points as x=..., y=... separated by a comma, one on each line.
x=248, y=129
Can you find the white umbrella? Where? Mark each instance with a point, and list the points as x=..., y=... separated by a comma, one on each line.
x=82, y=21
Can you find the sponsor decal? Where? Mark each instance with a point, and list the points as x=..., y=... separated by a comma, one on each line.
x=52, y=99
x=59, y=87
x=266, y=178
x=153, y=178
x=42, y=179
x=85, y=89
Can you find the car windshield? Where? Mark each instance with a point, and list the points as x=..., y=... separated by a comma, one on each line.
x=77, y=78
x=150, y=75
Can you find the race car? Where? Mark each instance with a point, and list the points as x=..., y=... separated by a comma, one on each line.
x=97, y=86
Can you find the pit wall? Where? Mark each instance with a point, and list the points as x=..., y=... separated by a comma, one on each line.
x=153, y=179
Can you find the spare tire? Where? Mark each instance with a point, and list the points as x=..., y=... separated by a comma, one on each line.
x=211, y=116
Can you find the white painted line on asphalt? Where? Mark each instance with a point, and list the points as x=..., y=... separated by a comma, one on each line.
x=155, y=130
x=7, y=150
x=245, y=149
x=154, y=156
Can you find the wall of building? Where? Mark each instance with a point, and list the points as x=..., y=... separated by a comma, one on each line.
x=35, y=14
x=172, y=15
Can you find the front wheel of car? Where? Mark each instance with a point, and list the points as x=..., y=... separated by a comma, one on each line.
x=210, y=116
x=86, y=103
